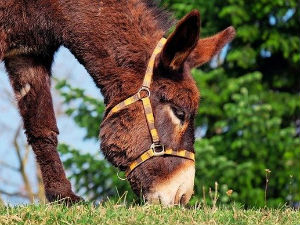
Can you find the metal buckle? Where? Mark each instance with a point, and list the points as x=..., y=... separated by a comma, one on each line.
x=158, y=149
x=121, y=178
x=146, y=89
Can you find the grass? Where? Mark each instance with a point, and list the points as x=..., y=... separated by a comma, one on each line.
x=109, y=213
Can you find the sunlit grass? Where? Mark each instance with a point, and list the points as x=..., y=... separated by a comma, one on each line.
x=113, y=213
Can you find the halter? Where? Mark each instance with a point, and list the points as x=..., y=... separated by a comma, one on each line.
x=156, y=148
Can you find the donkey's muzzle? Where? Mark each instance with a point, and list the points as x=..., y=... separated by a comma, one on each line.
x=176, y=189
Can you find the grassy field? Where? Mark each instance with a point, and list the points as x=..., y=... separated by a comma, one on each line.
x=120, y=214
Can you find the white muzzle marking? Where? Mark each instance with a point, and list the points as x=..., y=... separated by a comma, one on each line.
x=176, y=189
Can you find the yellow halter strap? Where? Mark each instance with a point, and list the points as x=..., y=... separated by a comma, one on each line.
x=156, y=149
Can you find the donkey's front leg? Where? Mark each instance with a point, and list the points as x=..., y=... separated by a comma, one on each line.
x=30, y=80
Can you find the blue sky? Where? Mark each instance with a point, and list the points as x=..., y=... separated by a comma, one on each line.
x=65, y=66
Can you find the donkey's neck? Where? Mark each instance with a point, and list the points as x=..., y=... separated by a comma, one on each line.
x=114, y=41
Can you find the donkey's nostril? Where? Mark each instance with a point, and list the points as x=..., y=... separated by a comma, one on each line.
x=178, y=196
x=183, y=200
x=181, y=197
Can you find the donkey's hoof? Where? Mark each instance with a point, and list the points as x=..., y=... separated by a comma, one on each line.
x=66, y=199
x=71, y=200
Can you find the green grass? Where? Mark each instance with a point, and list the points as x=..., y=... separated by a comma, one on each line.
x=109, y=213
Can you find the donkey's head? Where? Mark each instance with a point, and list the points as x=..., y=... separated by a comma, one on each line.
x=129, y=129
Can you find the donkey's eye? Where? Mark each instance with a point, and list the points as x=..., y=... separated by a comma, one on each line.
x=178, y=113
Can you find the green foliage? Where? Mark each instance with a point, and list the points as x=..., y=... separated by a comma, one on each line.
x=86, y=111
x=267, y=36
x=248, y=137
x=248, y=114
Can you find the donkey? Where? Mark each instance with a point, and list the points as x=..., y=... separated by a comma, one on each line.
x=114, y=40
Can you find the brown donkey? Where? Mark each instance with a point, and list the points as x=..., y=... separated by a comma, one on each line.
x=114, y=40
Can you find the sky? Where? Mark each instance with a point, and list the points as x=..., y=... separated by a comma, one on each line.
x=64, y=66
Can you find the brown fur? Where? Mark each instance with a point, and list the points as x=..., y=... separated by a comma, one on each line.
x=114, y=40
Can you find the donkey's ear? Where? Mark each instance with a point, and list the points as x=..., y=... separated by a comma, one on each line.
x=208, y=47
x=181, y=42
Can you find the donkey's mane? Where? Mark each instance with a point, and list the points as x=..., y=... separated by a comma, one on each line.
x=140, y=26
x=162, y=16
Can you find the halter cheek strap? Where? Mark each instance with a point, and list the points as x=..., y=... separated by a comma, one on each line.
x=156, y=149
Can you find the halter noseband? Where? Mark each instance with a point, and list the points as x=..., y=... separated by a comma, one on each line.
x=156, y=149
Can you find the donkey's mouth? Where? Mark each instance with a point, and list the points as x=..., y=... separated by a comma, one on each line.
x=176, y=189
